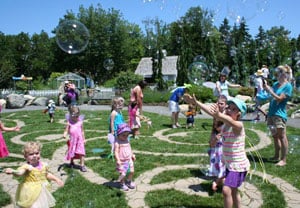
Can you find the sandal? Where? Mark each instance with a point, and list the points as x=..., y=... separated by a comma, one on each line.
x=83, y=169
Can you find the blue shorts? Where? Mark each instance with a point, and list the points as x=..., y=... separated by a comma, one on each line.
x=234, y=179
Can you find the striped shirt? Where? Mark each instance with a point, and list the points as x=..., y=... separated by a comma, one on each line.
x=234, y=154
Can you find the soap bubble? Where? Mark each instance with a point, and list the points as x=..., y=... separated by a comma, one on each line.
x=108, y=64
x=72, y=36
x=197, y=72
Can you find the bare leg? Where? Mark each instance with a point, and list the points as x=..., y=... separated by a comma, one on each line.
x=236, y=198
x=277, y=145
x=227, y=197
x=284, y=144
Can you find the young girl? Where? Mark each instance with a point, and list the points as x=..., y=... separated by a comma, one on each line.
x=124, y=157
x=34, y=190
x=234, y=155
x=135, y=107
x=215, y=152
x=116, y=116
x=3, y=148
x=76, y=143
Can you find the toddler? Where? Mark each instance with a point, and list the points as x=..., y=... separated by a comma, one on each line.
x=190, y=116
x=51, y=110
x=215, y=152
x=76, y=143
x=34, y=189
x=124, y=157
x=3, y=148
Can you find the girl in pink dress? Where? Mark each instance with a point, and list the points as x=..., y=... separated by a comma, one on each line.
x=3, y=148
x=135, y=107
x=124, y=157
x=76, y=143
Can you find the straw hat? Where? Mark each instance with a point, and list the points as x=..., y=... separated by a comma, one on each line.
x=259, y=73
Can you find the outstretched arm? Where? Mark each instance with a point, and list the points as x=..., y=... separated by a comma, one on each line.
x=52, y=177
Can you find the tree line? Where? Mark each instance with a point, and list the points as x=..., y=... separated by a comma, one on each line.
x=115, y=40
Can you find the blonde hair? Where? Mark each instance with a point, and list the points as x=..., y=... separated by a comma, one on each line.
x=74, y=110
x=287, y=69
x=31, y=146
x=117, y=103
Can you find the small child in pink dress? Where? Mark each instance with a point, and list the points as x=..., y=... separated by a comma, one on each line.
x=76, y=143
x=124, y=157
x=3, y=148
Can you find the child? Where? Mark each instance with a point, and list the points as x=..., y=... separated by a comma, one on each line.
x=134, y=119
x=3, y=148
x=34, y=190
x=124, y=157
x=116, y=116
x=76, y=143
x=234, y=155
x=190, y=116
x=51, y=110
x=215, y=152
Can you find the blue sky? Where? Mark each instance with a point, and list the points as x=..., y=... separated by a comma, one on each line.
x=33, y=16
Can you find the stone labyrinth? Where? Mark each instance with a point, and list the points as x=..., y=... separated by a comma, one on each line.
x=251, y=196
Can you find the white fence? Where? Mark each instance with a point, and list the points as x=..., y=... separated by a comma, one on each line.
x=43, y=93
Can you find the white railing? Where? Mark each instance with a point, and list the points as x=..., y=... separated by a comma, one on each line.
x=43, y=93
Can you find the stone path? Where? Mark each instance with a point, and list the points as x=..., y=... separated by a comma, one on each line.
x=251, y=196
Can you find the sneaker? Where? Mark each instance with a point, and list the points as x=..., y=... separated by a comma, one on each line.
x=131, y=185
x=174, y=126
x=124, y=187
x=178, y=125
x=83, y=169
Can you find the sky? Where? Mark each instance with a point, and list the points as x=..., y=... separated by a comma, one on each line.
x=33, y=16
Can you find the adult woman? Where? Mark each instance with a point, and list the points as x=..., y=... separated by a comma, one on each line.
x=135, y=107
x=222, y=85
x=280, y=93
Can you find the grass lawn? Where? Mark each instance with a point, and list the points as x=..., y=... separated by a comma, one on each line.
x=80, y=192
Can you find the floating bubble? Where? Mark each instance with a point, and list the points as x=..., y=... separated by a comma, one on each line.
x=108, y=64
x=72, y=36
x=197, y=72
x=281, y=15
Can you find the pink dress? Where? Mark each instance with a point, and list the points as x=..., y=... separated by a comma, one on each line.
x=76, y=142
x=125, y=155
x=134, y=112
x=3, y=148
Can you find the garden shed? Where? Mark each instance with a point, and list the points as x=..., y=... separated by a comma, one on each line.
x=75, y=78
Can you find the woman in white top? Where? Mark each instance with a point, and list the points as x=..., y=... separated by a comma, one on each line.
x=222, y=85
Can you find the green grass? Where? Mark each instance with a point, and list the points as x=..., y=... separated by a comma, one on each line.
x=79, y=192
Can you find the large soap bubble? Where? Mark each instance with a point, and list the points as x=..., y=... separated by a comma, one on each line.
x=72, y=36
x=197, y=72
